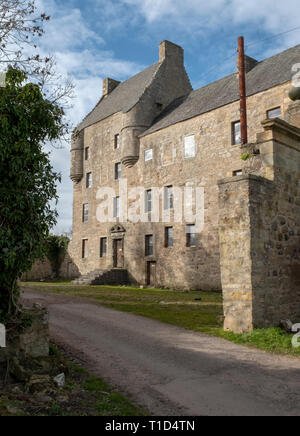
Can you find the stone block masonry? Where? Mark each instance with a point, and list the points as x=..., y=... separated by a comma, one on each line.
x=259, y=230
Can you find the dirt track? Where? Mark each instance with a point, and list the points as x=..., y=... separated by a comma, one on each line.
x=172, y=371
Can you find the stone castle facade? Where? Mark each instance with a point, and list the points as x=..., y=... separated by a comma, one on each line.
x=154, y=131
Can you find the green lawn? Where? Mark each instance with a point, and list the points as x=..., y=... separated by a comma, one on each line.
x=198, y=311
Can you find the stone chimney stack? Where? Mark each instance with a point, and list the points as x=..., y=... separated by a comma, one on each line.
x=109, y=85
x=171, y=52
x=250, y=63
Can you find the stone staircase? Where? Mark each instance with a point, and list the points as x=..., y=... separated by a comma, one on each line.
x=113, y=277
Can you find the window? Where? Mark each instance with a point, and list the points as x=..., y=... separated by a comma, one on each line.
x=189, y=147
x=89, y=180
x=148, y=201
x=149, y=245
x=236, y=135
x=169, y=237
x=190, y=236
x=168, y=197
x=237, y=173
x=118, y=171
x=116, y=207
x=148, y=155
x=103, y=247
x=117, y=142
x=85, y=213
x=274, y=113
x=84, y=248
x=87, y=153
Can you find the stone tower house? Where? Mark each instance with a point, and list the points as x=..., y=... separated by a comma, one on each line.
x=154, y=132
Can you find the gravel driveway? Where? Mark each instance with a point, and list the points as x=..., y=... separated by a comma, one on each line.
x=169, y=370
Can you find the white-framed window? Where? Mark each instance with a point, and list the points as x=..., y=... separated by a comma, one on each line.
x=87, y=153
x=148, y=201
x=148, y=155
x=118, y=171
x=85, y=213
x=117, y=207
x=236, y=134
x=89, y=180
x=189, y=147
x=274, y=113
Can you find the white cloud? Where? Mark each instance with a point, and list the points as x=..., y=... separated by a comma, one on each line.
x=80, y=53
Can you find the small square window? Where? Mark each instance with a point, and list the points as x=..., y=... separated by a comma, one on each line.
x=148, y=201
x=117, y=207
x=89, y=180
x=236, y=135
x=103, y=247
x=274, y=113
x=117, y=142
x=149, y=245
x=148, y=155
x=87, y=153
x=191, y=236
x=189, y=147
x=84, y=248
x=85, y=213
x=118, y=171
x=169, y=237
x=168, y=197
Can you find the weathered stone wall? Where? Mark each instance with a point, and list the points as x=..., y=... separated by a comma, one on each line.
x=259, y=226
x=216, y=158
x=42, y=270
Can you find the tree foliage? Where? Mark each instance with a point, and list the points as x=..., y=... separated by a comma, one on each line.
x=27, y=181
x=21, y=26
x=56, y=249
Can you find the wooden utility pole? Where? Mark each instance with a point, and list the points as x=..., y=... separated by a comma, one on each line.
x=243, y=96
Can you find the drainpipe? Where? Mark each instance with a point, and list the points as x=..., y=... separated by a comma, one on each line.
x=242, y=84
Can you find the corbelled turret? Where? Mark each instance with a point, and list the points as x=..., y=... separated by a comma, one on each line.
x=77, y=150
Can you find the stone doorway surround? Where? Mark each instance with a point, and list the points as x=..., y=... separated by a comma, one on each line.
x=117, y=237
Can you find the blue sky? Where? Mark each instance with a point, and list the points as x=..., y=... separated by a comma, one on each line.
x=94, y=39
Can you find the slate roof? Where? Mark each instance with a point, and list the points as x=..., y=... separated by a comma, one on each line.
x=271, y=72
x=122, y=98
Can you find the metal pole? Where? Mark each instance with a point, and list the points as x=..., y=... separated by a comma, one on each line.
x=243, y=97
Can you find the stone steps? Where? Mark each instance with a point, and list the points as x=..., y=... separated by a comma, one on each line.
x=113, y=277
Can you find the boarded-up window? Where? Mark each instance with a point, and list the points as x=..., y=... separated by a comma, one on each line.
x=189, y=147
x=116, y=207
x=236, y=136
x=148, y=155
x=168, y=197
